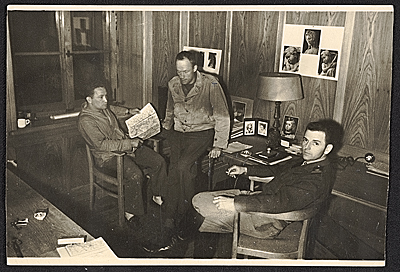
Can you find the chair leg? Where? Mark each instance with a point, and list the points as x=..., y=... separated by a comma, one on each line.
x=235, y=235
x=92, y=192
x=121, y=199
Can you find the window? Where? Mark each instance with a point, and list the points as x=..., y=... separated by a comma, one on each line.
x=56, y=54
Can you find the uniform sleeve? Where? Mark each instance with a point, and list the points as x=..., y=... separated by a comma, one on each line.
x=283, y=198
x=96, y=138
x=220, y=115
x=169, y=111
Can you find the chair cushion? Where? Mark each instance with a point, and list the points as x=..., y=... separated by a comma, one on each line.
x=287, y=241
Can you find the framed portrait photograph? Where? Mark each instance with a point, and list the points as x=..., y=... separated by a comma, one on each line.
x=210, y=58
x=262, y=127
x=249, y=127
x=242, y=108
x=289, y=127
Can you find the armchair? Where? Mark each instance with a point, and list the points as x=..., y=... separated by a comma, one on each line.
x=291, y=243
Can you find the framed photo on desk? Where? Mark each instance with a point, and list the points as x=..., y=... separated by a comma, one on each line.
x=242, y=108
x=249, y=126
x=289, y=127
x=262, y=127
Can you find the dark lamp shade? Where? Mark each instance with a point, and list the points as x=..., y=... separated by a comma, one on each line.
x=279, y=87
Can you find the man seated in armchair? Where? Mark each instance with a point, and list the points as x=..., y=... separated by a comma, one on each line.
x=99, y=127
x=298, y=184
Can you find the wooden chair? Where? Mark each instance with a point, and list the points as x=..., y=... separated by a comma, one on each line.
x=111, y=185
x=291, y=243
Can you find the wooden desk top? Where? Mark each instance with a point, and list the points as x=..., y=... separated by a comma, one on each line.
x=352, y=182
x=38, y=238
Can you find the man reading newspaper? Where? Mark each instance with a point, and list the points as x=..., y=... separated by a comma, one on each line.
x=99, y=127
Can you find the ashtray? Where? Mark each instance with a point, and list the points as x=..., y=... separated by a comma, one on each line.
x=41, y=214
x=245, y=153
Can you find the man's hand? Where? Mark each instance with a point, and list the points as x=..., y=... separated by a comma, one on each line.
x=235, y=170
x=224, y=203
x=215, y=152
x=134, y=111
x=136, y=143
x=164, y=125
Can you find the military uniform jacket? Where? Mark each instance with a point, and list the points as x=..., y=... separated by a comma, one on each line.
x=294, y=187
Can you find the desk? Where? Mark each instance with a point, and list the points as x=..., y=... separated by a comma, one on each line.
x=38, y=238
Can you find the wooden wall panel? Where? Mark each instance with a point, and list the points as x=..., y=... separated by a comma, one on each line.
x=366, y=113
x=165, y=48
x=316, y=18
x=207, y=30
x=130, y=58
x=253, y=49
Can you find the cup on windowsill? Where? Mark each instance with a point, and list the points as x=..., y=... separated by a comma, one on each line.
x=22, y=122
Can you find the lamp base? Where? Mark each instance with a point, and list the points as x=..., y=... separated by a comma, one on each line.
x=274, y=138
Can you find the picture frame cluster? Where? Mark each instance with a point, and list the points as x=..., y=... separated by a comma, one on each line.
x=255, y=126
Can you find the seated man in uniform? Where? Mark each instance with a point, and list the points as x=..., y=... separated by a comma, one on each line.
x=99, y=127
x=300, y=183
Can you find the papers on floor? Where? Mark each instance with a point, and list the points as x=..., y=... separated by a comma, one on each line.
x=144, y=125
x=97, y=248
x=236, y=147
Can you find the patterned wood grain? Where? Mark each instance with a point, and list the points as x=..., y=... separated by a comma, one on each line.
x=253, y=49
x=207, y=30
x=316, y=18
x=165, y=48
x=130, y=57
x=367, y=102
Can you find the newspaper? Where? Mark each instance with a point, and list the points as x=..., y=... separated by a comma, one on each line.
x=97, y=248
x=144, y=125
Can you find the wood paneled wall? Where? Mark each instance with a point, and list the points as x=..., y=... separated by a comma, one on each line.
x=251, y=41
x=366, y=111
x=130, y=58
x=165, y=47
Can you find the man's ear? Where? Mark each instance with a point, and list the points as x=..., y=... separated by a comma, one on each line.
x=328, y=149
x=195, y=68
x=89, y=99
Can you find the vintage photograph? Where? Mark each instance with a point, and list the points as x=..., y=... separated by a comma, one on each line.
x=210, y=58
x=262, y=127
x=242, y=108
x=125, y=125
x=249, y=127
x=289, y=127
x=303, y=47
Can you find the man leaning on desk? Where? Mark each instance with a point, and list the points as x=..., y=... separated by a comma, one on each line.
x=300, y=183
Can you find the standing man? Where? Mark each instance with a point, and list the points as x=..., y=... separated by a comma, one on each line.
x=99, y=127
x=301, y=183
x=198, y=117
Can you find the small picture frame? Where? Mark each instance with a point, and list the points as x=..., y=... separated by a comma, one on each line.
x=262, y=127
x=242, y=108
x=249, y=126
x=289, y=127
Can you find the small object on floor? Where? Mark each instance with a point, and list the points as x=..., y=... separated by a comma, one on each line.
x=128, y=216
x=158, y=200
x=40, y=214
x=155, y=249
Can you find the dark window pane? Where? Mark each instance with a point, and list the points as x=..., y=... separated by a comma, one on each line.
x=87, y=31
x=37, y=80
x=33, y=31
x=88, y=68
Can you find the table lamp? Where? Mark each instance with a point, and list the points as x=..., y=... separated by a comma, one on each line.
x=279, y=87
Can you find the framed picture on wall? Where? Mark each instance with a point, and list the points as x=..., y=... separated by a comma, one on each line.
x=249, y=126
x=210, y=58
x=262, y=127
x=289, y=127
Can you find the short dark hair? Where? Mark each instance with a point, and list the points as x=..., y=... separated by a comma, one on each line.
x=190, y=55
x=332, y=129
x=94, y=85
